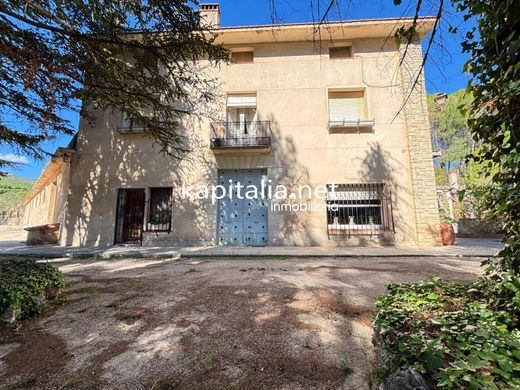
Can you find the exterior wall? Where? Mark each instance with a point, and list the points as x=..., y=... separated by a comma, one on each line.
x=291, y=81
x=48, y=205
x=62, y=193
x=419, y=147
x=40, y=209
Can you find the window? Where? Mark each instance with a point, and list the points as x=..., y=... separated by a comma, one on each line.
x=144, y=59
x=242, y=57
x=347, y=106
x=160, y=210
x=242, y=127
x=358, y=209
x=338, y=53
x=132, y=125
x=347, y=109
x=241, y=115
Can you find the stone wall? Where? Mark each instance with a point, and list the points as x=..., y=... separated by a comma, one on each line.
x=415, y=113
x=43, y=235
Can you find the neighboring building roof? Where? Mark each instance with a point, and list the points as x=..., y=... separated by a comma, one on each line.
x=50, y=172
x=344, y=29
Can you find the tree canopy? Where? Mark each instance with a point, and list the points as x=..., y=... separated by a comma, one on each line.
x=55, y=54
x=450, y=126
x=494, y=112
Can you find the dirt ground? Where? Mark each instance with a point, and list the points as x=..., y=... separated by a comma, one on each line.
x=191, y=324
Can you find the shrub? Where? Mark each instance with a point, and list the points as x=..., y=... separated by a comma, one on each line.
x=24, y=285
x=458, y=336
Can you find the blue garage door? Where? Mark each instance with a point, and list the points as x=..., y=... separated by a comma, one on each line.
x=242, y=221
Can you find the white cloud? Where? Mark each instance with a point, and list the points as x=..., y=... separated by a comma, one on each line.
x=14, y=158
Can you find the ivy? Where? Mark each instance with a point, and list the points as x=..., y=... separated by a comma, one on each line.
x=460, y=336
x=23, y=283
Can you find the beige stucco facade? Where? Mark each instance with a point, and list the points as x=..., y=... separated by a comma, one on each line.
x=291, y=77
x=45, y=204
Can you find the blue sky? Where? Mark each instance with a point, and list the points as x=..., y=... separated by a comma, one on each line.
x=443, y=69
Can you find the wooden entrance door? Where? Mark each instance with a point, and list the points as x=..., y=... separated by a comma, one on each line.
x=130, y=216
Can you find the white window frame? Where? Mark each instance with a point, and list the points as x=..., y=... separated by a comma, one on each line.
x=355, y=124
x=249, y=101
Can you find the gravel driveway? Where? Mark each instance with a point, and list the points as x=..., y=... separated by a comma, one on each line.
x=253, y=323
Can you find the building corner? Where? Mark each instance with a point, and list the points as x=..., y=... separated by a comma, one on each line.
x=415, y=113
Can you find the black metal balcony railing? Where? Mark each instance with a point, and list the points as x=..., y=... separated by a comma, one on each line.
x=254, y=134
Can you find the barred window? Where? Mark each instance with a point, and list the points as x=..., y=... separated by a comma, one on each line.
x=160, y=210
x=358, y=208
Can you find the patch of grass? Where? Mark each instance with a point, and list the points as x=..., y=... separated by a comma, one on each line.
x=94, y=290
x=344, y=365
x=187, y=339
x=120, y=309
x=209, y=359
x=97, y=311
x=248, y=324
x=191, y=270
x=167, y=383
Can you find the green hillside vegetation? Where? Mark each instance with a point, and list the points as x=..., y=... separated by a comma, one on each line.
x=13, y=191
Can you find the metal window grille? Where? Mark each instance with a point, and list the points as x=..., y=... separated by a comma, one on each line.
x=160, y=210
x=359, y=209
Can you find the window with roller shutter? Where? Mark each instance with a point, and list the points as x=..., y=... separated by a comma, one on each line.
x=348, y=109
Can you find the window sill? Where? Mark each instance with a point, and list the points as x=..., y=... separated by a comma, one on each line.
x=355, y=227
x=358, y=230
x=359, y=126
x=132, y=130
x=153, y=228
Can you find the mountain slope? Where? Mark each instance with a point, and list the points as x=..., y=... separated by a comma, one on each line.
x=13, y=191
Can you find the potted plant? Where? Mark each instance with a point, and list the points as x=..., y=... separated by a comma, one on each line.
x=447, y=231
x=156, y=224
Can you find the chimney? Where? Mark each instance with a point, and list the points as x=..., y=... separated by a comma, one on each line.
x=210, y=15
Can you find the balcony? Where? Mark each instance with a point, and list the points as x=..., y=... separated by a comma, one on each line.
x=252, y=137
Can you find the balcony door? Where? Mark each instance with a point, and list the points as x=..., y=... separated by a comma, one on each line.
x=241, y=114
